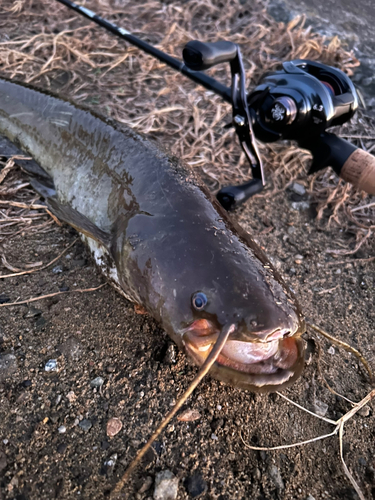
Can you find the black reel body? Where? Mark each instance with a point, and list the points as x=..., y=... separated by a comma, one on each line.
x=303, y=99
x=297, y=103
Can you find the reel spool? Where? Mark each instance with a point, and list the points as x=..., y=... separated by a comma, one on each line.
x=303, y=99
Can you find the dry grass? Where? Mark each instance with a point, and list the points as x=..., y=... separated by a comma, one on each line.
x=58, y=50
x=19, y=210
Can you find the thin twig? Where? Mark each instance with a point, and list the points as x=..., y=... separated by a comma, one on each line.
x=23, y=205
x=339, y=428
x=9, y=165
x=356, y=209
x=305, y=409
x=285, y=446
x=35, y=299
x=44, y=267
x=355, y=249
x=327, y=290
x=345, y=346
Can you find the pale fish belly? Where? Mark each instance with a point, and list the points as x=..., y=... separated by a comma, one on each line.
x=105, y=263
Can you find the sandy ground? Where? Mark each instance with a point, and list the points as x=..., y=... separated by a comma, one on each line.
x=53, y=430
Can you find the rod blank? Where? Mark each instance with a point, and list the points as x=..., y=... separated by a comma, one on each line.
x=206, y=81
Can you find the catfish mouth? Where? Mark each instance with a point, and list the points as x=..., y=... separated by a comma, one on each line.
x=260, y=365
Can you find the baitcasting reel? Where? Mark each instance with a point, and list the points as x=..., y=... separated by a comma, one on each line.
x=297, y=103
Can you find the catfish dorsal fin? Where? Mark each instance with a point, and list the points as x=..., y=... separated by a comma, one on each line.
x=79, y=221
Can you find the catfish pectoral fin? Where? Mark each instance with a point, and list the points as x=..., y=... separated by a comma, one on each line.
x=77, y=220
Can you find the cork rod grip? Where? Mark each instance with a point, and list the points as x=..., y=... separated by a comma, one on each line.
x=359, y=169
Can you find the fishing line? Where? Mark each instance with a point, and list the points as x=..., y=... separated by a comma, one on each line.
x=197, y=76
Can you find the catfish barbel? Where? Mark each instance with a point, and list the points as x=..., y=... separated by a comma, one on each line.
x=160, y=237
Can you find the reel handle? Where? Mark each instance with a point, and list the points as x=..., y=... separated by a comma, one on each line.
x=231, y=197
x=359, y=170
x=199, y=56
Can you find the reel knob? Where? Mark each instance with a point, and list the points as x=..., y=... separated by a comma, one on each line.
x=282, y=112
x=199, y=56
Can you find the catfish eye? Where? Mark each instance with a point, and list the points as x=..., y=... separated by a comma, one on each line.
x=199, y=301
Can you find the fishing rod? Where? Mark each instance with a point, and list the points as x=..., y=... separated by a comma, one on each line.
x=206, y=81
x=298, y=102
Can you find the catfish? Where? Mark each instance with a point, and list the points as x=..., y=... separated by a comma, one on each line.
x=160, y=237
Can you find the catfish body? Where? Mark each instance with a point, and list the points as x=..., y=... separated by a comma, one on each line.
x=159, y=236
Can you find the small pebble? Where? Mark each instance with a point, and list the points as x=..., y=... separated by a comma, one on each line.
x=8, y=365
x=298, y=259
x=114, y=426
x=62, y=429
x=79, y=262
x=300, y=205
x=310, y=497
x=320, y=408
x=365, y=411
x=166, y=486
x=54, y=418
x=5, y=441
x=71, y=397
x=104, y=445
x=147, y=483
x=32, y=312
x=51, y=366
x=4, y=298
x=196, y=485
x=275, y=475
x=170, y=356
x=26, y=383
x=57, y=269
x=3, y=461
x=111, y=462
x=61, y=448
x=40, y=322
x=298, y=188
x=331, y=350
x=97, y=382
x=64, y=288
x=85, y=424
x=214, y=437
x=257, y=474
x=189, y=415
x=58, y=400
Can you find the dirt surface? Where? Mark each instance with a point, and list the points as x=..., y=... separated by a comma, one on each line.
x=53, y=430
